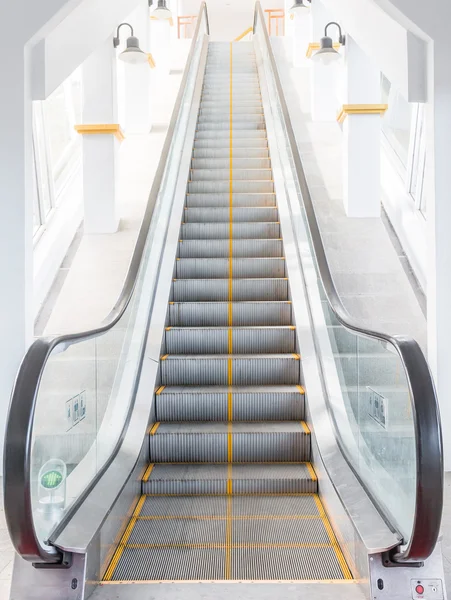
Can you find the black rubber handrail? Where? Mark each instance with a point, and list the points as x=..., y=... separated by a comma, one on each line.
x=19, y=429
x=425, y=410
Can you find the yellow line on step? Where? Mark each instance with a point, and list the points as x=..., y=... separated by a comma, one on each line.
x=311, y=472
x=124, y=540
x=301, y=389
x=333, y=540
x=160, y=389
x=148, y=472
x=228, y=548
x=154, y=428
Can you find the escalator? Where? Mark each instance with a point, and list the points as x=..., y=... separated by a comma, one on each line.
x=228, y=428
x=230, y=492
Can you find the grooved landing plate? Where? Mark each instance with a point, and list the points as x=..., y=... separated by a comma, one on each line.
x=257, y=537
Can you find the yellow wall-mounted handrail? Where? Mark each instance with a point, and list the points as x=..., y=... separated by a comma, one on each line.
x=244, y=34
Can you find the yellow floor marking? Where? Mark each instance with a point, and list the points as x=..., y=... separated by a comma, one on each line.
x=154, y=428
x=208, y=546
x=169, y=328
x=172, y=302
x=124, y=539
x=147, y=473
x=228, y=553
x=164, y=357
x=301, y=389
x=311, y=472
x=305, y=427
x=231, y=581
x=224, y=517
x=338, y=553
x=159, y=390
x=291, y=327
x=298, y=494
x=114, y=546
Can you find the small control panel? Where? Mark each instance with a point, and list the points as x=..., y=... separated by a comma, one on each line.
x=427, y=589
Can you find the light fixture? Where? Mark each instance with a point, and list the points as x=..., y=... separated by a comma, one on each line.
x=132, y=53
x=300, y=6
x=161, y=11
x=327, y=53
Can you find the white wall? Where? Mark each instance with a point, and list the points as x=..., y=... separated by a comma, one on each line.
x=228, y=18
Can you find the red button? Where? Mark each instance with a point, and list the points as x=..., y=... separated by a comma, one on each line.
x=419, y=589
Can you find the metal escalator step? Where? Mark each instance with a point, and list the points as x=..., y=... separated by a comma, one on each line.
x=236, y=537
x=216, y=290
x=254, y=117
x=221, y=340
x=224, y=153
x=223, y=199
x=200, y=442
x=237, y=174
x=236, y=185
x=218, y=268
x=250, y=134
x=220, y=127
x=206, y=214
x=224, y=104
x=204, y=314
x=265, y=478
x=233, y=369
x=248, y=403
x=212, y=231
x=224, y=110
x=236, y=142
x=237, y=163
x=222, y=249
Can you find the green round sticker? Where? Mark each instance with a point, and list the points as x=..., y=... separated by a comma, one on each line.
x=51, y=480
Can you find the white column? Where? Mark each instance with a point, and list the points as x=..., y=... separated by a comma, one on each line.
x=301, y=37
x=160, y=43
x=288, y=21
x=16, y=250
x=439, y=236
x=137, y=99
x=361, y=135
x=322, y=78
x=100, y=151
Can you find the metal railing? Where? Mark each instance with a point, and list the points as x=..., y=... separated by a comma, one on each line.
x=22, y=411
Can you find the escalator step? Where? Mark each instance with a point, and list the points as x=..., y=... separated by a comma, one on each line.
x=252, y=403
x=222, y=248
x=242, y=369
x=209, y=231
x=221, y=340
x=265, y=441
x=185, y=479
x=219, y=268
x=243, y=290
x=204, y=314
